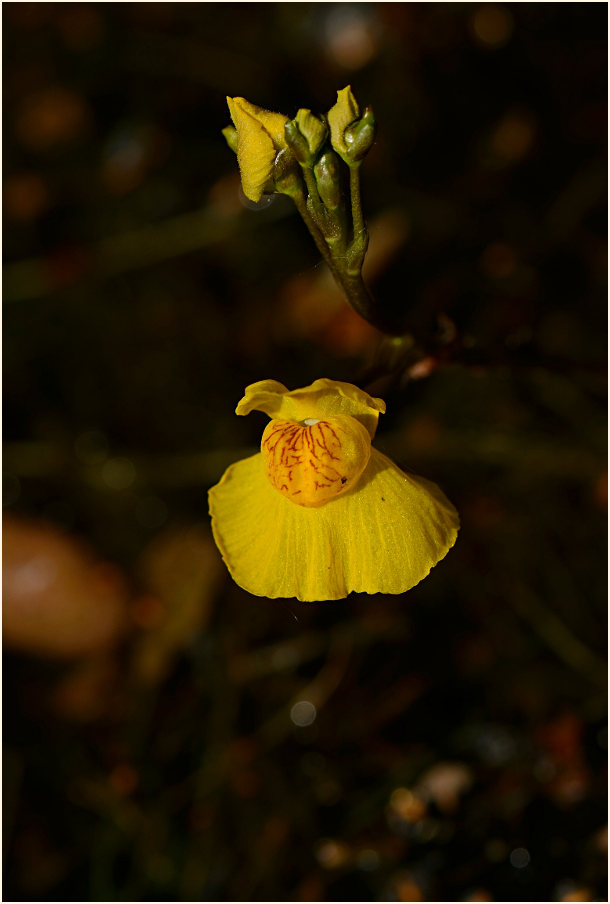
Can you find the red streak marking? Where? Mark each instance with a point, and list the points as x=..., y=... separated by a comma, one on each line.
x=285, y=446
x=321, y=472
x=327, y=451
x=333, y=471
x=328, y=427
x=295, y=442
x=323, y=443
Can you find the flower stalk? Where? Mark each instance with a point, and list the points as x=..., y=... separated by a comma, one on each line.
x=360, y=240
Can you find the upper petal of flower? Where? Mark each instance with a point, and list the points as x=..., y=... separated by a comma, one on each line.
x=260, y=135
x=324, y=398
x=273, y=123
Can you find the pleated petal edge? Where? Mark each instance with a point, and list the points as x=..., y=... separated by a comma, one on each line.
x=384, y=536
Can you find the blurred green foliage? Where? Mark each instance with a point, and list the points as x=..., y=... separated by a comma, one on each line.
x=459, y=740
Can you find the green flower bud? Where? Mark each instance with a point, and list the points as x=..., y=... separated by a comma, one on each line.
x=360, y=136
x=305, y=136
x=328, y=180
x=287, y=177
x=297, y=143
x=313, y=129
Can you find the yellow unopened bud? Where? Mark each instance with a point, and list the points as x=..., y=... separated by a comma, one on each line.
x=343, y=114
x=260, y=135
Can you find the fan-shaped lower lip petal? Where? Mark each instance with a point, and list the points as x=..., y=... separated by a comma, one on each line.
x=383, y=536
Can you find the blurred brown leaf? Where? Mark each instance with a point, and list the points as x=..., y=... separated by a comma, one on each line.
x=58, y=601
x=182, y=570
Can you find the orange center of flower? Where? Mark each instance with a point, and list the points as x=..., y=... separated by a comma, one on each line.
x=313, y=461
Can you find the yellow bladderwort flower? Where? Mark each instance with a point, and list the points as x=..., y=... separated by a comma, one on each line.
x=318, y=513
x=260, y=136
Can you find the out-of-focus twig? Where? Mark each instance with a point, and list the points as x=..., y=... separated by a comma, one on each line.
x=30, y=279
x=501, y=448
x=557, y=635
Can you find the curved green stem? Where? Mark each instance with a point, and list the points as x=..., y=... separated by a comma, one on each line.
x=312, y=190
x=345, y=264
x=361, y=300
x=354, y=187
x=328, y=221
x=315, y=233
x=351, y=283
x=360, y=233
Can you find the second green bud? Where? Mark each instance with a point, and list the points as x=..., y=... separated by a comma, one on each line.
x=328, y=180
x=305, y=136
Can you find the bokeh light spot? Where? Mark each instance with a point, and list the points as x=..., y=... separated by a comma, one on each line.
x=407, y=806
x=54, y=115
x=25, y=196
x=303, y=713
x=519, y=858
x=512, y=138
x=118, y=473
x=407, y=889
x=351, y=35
x=332, y=854
x=492, y=25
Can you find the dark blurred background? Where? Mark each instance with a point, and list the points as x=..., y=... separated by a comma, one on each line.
x=166, y=735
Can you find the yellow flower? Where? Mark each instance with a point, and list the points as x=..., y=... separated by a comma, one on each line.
x=260, y=135
x=318, y=513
